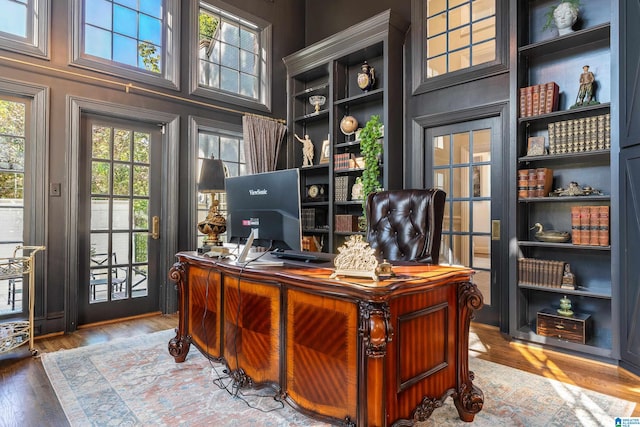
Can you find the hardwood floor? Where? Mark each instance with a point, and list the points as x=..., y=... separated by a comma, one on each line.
x=27, y=399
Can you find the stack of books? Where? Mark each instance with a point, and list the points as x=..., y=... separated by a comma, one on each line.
x=308, y=218
x=580, y=135
x=539, y=99
x=342, y=161
x=342, y=188
x=590, y=225
x=534, y=182
x=540, y=272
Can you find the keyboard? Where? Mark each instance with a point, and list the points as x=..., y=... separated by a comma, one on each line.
x=302, y=256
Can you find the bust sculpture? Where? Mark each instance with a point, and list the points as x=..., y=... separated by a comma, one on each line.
x=565, y=16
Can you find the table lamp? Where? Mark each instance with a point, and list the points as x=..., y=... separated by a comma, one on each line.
x=212, y=176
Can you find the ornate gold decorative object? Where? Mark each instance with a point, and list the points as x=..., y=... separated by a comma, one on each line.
x=356, y=258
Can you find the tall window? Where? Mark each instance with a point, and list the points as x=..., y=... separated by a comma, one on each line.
x=227, y=146
x=13, y=118
x=233, y=55
x=24, y=26
x=128, y=37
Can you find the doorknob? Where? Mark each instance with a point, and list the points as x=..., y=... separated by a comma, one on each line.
x=155, y=227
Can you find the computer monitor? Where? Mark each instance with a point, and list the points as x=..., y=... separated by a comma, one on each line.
x=267, y=204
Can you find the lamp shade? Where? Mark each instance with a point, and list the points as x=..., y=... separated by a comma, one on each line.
x=211, y=176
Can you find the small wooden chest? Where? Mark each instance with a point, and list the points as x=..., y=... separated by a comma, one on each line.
x=576, y=328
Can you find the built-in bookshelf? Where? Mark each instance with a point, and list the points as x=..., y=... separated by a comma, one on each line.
x=330, y=68
x=564, y=178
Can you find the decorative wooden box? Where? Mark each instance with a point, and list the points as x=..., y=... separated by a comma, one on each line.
x=576, y=328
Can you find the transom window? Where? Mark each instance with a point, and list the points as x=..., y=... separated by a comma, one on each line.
x=233, y=51
x=126, y=32
x=131, y=38
x=24, y=26
x=460, y=34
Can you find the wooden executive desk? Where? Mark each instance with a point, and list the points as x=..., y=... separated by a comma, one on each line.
x=350, y=351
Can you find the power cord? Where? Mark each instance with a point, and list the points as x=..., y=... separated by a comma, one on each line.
x=229, y=381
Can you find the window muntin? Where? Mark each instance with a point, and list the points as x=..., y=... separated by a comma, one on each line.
x=233, y=56
x=24, y=26
x=130, y=38
x=460, y=34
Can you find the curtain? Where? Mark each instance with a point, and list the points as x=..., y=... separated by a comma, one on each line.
x=262, y=139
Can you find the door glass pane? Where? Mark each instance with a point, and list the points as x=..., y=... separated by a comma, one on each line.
x=467, y=219
x=101, y=142
x=121, y=145
x=461, y=216
x=13, y=143
x=119, y=255
x=441, y=150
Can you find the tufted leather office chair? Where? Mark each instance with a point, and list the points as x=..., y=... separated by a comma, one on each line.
x=406, y=225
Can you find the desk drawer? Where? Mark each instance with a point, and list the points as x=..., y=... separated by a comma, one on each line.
x=575, y=329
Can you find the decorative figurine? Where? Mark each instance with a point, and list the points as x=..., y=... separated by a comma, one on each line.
x=565, y=307
x=366, y=78
x=586, y=91
x=568, y=278
x=552, y=236
x=307, y=150
x=574, y=189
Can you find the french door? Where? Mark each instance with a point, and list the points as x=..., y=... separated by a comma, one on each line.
x=465, y=161
x=119, y=199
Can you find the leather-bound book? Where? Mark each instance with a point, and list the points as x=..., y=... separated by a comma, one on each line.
x=575, y=225
x=603, y=229
x=594, y=225
x=585, y=225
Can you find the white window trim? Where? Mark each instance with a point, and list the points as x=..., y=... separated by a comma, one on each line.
x=38, y=45
x=264, y=102
x=170, y=77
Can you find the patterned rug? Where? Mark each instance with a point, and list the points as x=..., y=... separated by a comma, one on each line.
x=135, y=382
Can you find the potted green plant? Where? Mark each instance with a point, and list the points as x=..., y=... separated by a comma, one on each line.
x=562, y=16
x=371, y=150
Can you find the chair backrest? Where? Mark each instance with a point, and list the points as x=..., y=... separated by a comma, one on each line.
x=406, y=225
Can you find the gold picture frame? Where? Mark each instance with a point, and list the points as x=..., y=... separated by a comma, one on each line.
x=325, y=152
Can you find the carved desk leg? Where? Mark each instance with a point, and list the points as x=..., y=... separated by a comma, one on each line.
x=468, y=398
x=179, y=345
x=377, y=332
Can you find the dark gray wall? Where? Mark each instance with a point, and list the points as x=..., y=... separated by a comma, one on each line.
x=287, y=17
x=324, y=18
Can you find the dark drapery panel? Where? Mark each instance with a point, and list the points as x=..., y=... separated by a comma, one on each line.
x=262, y=139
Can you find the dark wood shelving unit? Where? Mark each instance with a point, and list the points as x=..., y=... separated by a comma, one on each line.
x=539, y=62
x=330, y=68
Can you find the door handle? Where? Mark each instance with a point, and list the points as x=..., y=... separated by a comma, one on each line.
x=495, y=229
x=155, y=227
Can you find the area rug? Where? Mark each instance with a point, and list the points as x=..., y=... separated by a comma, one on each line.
x=135, y=382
